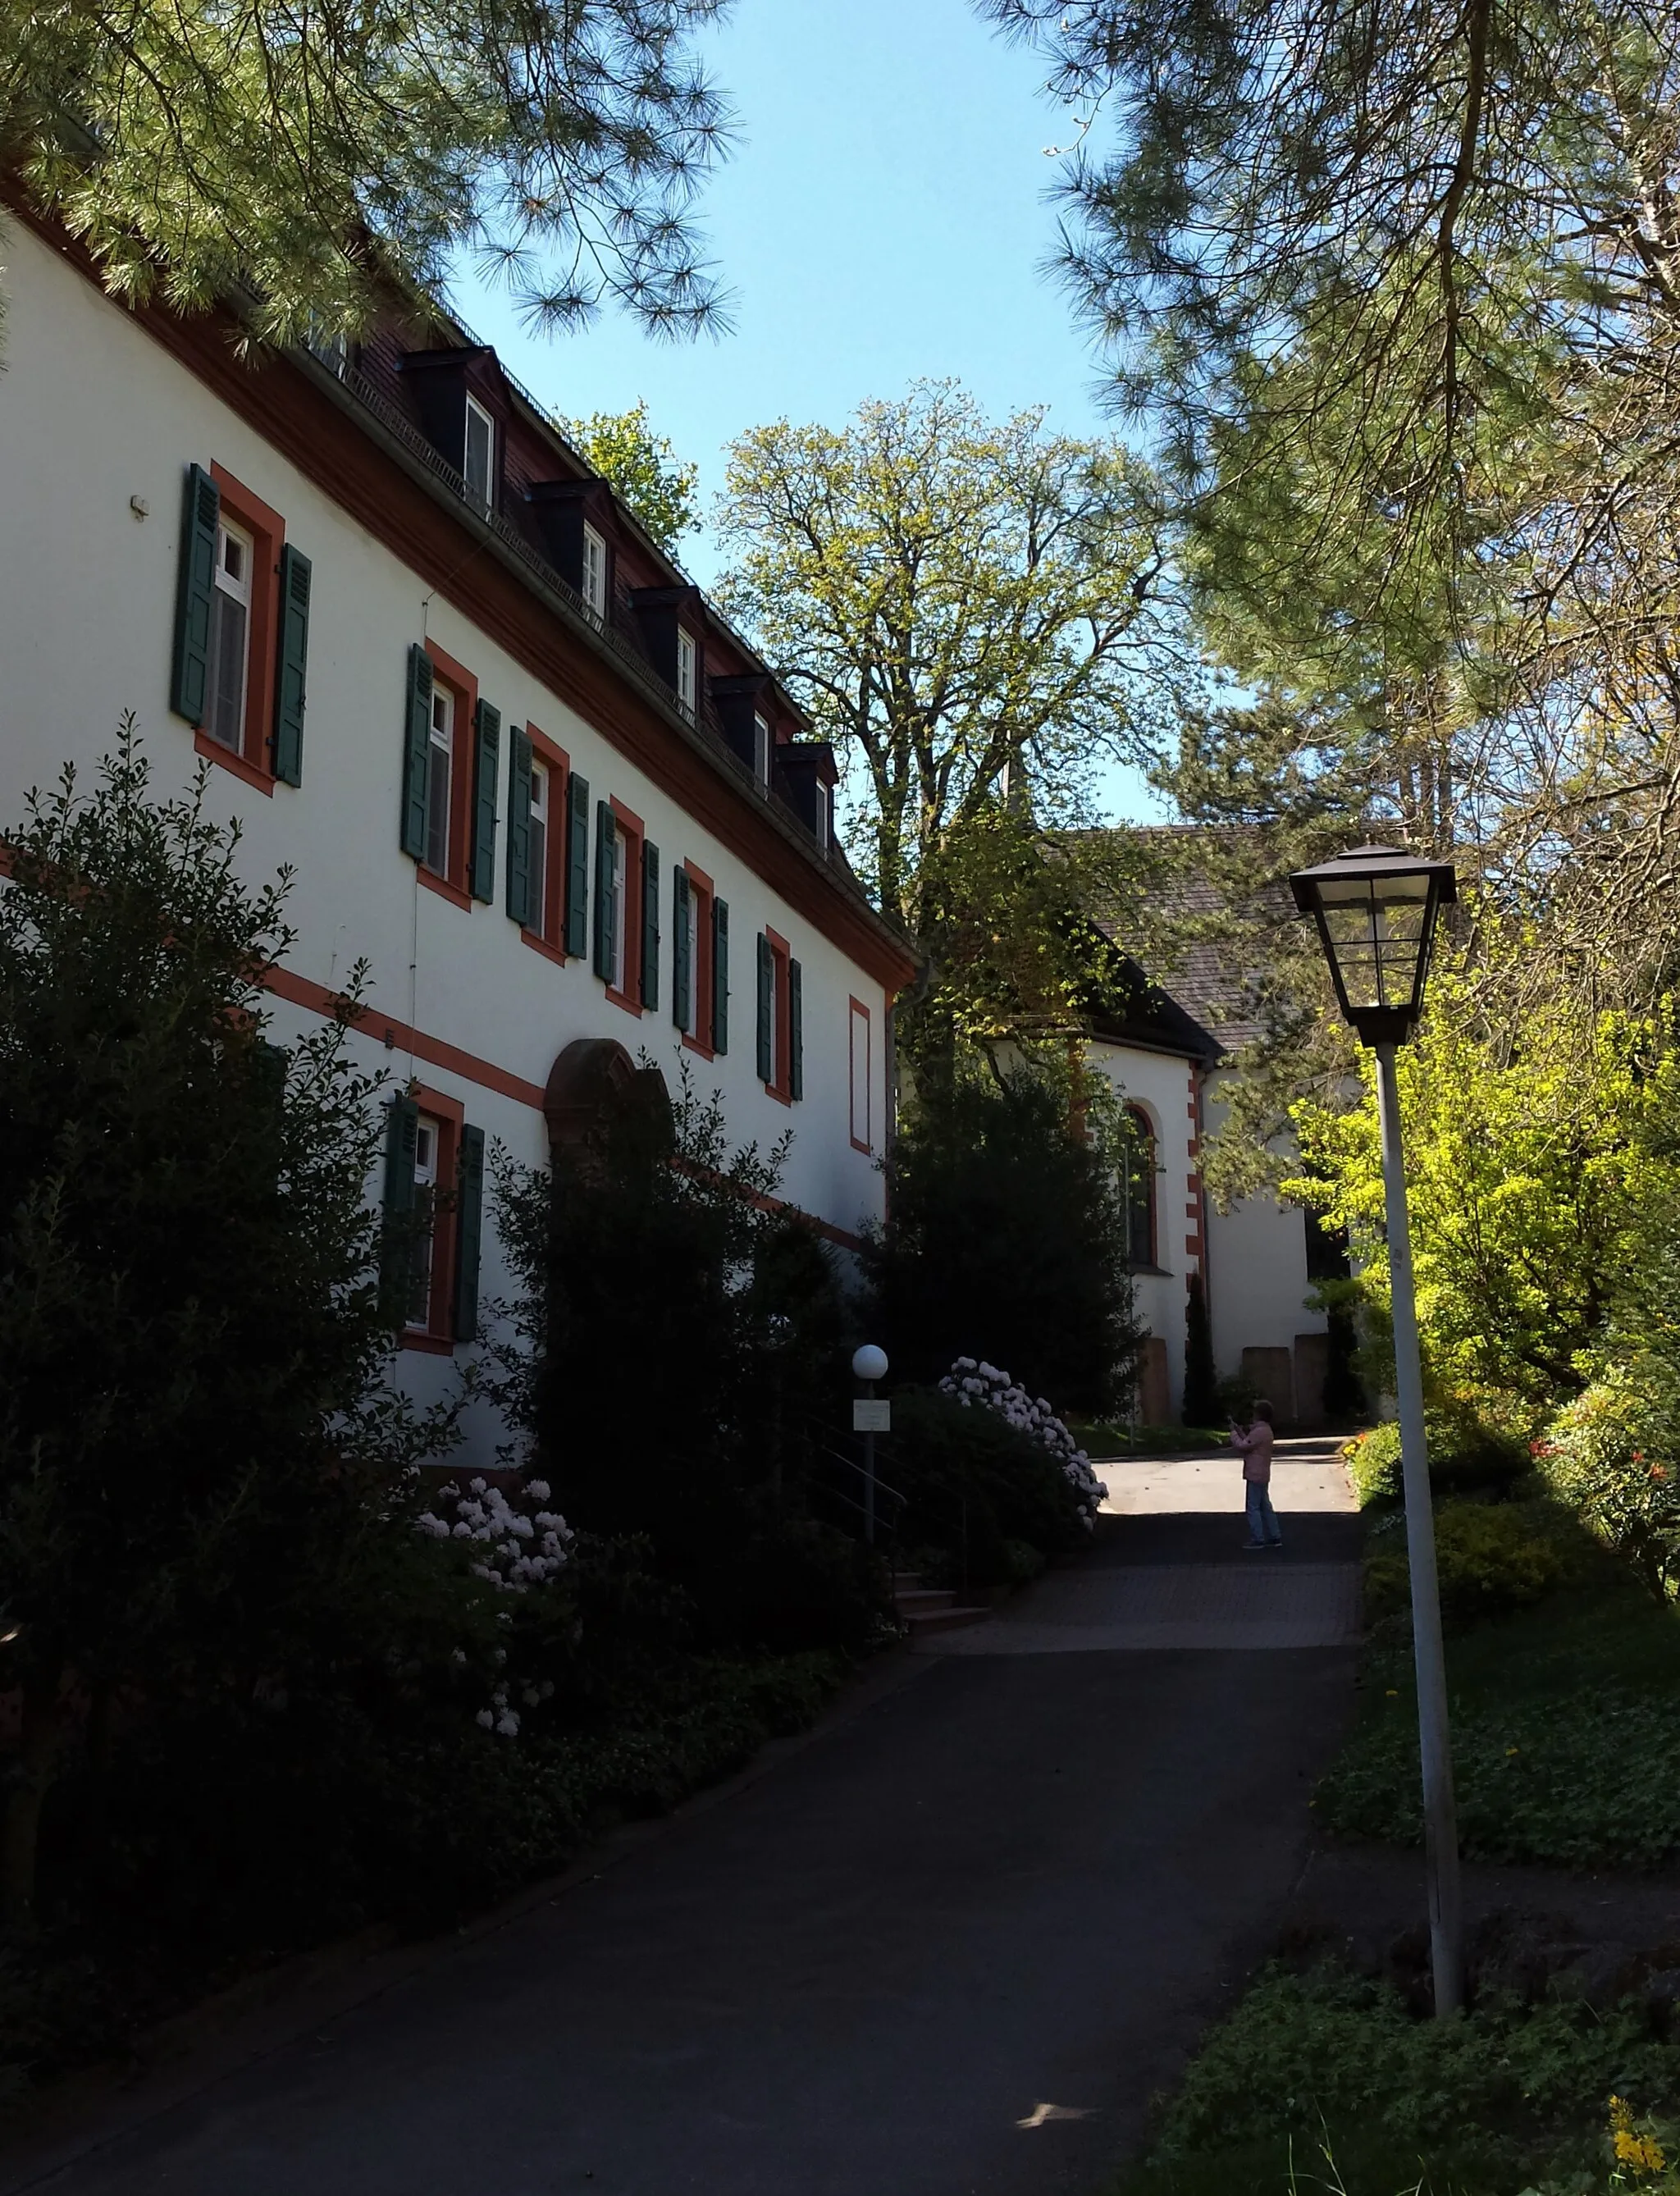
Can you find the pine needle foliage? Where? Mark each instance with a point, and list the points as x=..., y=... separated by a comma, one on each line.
x=305, y=161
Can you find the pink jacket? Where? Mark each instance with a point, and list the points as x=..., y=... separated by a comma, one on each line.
x=1255, y=1448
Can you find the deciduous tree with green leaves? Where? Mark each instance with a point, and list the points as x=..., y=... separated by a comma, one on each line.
x=659, y=487
x=969, y=609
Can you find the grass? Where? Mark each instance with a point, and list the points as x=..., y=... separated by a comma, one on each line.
x=1327, y=2080
x=1566, y=1726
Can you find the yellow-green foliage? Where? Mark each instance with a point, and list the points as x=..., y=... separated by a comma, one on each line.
x=1614, y=1456
x=659, y=486
x=1489, y=1559
x=1533, y=1177
x=1373, y=1461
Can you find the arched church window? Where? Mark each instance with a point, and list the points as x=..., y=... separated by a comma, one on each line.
x=1139, y=1188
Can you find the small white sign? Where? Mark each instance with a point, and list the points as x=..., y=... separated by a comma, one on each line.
x=869, y=1416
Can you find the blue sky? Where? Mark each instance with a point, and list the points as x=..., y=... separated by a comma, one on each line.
x=883, y=217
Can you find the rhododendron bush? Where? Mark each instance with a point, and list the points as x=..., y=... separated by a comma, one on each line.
x=972, y=1381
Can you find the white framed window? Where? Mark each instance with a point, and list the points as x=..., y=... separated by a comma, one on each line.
x=620, y=908
x=688, y=661
x=478, y=463
x=860, y=1075
x=428, y=1142
x=230, y=635
x=538, y=919
x=691, y=948
x=595, y=571
x=440, y=767
x=761, y=747
x=825, y=815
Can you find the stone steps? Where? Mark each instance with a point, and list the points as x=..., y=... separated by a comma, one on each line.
x=925, y=1609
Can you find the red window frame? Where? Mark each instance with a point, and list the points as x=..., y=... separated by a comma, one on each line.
x=632, y=834
x=703, y=967
x=782, y=955
x=452, y=884
x=437, y=1336
x=253, y=762
x=855, y=1012
x=547, y=934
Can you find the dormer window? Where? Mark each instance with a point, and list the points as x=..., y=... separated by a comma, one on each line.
x=594, y=588
x=825, y=816
x=479, y=458
x=761, y=749
x=688, y=659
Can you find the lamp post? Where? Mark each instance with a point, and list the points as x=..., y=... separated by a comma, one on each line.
x=1376, y=910
x=869, y=1364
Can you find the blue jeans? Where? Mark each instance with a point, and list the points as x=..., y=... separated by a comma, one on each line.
x=1262, y=1519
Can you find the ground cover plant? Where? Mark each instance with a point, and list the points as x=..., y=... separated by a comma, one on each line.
x=1331, y=2079
x=1566, y=1744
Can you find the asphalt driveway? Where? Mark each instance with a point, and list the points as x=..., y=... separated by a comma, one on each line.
x=948, y=1949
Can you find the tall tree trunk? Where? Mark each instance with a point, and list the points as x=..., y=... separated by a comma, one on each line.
x=37, y=1764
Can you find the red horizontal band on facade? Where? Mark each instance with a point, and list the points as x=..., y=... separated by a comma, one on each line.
x=301, y=992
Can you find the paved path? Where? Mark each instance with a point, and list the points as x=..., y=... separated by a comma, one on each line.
x=947, y=1949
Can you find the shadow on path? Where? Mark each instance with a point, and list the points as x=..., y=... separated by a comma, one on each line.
x=948, y=1949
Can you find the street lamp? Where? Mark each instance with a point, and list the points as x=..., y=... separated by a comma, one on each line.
x=1376, y=909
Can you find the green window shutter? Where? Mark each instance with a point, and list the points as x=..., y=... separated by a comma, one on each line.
x=195, y=592
x=486, y=752
x=519, y=831
x=577, y=865
x=767, y=1008
x=682, y=976
x=795, y=1031
x=606, y=844
x=294, y=650
x=416, y=752
x=649, y=926
x=469, y=1232
x=402, y=1129
x=720, y=975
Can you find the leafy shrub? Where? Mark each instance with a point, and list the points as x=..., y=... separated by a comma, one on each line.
x=1612, y=1456
x=1464, y=1452
x=796, y=1584
x=1487, y=1559
x=973, y=1385
x=976, y=1487
x=678, y=1355
x=1373, y=1461
x=1332, y=2059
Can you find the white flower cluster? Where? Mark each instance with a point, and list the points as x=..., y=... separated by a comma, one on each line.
x=512, y=1548
x=498, y=1716
x=973, y=1381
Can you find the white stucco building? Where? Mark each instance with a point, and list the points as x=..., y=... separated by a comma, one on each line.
x=1168, y=1052
x=515, y=761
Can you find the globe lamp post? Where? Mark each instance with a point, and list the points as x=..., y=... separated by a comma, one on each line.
x=869, y=1365
x=1376, y=909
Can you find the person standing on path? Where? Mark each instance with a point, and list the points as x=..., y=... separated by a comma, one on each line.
x=1254, y=1445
